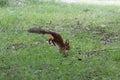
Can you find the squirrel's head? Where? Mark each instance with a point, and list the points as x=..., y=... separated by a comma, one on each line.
x=67, y=46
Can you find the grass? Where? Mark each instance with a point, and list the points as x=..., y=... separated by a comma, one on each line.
x=93, y=31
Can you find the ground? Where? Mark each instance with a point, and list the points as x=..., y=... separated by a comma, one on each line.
x=93, y=32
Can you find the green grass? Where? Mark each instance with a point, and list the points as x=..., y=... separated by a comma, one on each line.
x=93, y=31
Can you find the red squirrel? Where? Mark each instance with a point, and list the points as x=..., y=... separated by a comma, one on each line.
x=55, y=38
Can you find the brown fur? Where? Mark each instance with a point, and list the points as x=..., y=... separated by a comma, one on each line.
x=55, y=38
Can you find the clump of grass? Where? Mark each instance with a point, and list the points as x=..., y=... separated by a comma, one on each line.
x=4, y=3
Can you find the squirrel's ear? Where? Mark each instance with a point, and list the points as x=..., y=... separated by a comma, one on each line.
x=67, y=41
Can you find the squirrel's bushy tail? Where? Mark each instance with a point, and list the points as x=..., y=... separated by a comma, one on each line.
x=39, y=31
